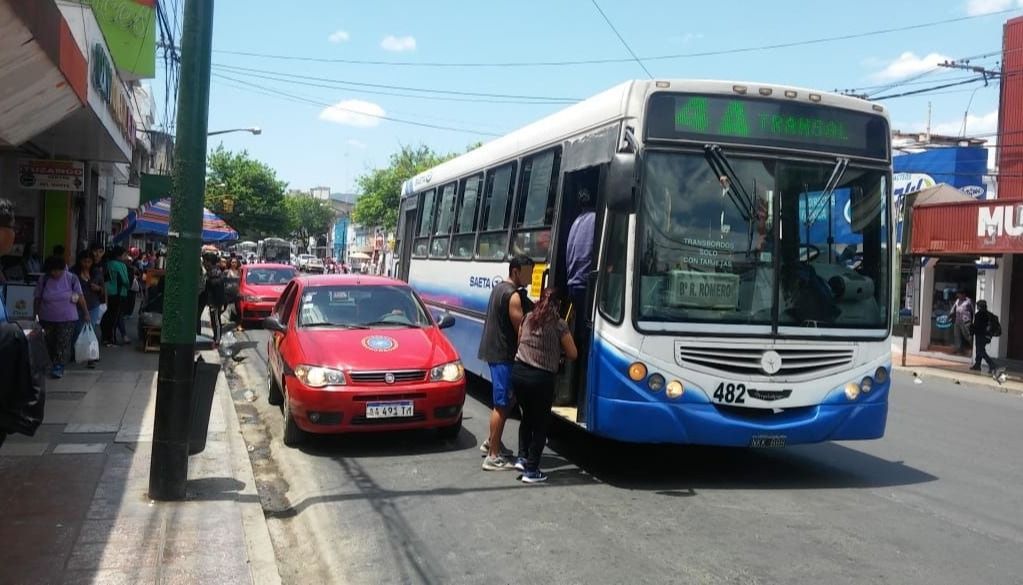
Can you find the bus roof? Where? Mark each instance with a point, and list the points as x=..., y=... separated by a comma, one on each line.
x=623, y=101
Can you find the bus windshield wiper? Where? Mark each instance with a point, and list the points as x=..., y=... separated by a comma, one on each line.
x=829, y=189
x=737, y=193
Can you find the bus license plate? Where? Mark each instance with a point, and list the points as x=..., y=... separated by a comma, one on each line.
x=389, y=409
x=761, y=441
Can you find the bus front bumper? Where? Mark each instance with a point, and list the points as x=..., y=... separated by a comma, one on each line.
x=707, y=424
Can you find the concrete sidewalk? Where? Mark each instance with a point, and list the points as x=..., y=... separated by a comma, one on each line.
x=957, y=368
x=74, y=506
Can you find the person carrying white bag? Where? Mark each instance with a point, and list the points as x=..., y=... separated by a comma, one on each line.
x=93, y=289
x=87, y=346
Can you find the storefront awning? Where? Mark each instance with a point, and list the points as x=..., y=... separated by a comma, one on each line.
x=43, y=73
x=153, y=218
x=981, y=228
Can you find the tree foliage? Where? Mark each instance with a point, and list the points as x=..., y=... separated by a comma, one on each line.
x=381, y=188
x=308, y=216
x=246, y=193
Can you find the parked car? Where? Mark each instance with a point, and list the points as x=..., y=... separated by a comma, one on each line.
x=314, y=265
x=260, y=288
x=354, y=354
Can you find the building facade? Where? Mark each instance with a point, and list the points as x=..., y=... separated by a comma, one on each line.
x=67, y=117
x=974, y=245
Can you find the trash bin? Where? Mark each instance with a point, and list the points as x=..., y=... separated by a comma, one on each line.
x=204, y=383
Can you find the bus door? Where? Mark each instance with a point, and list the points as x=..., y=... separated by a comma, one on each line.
x=405, y=247
x=571, y=383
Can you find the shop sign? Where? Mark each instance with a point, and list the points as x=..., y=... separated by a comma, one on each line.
x=113, y=94
x=51, y=175
x=129, y=27
x=997, y=221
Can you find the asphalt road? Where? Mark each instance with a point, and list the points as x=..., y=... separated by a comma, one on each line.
x=938, y=500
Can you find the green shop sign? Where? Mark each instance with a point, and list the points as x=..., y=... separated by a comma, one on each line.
x=129, y=27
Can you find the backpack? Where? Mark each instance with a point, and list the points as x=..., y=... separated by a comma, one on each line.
x=994, y=328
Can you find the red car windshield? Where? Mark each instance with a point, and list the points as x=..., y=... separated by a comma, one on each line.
x=269, y=276
x=361, y=307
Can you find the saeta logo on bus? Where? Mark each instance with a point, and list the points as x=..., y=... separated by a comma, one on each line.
x=484, y=281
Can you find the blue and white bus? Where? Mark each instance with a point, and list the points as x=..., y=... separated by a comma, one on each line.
x=741, y=284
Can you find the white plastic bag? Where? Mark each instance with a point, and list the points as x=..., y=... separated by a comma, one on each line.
x=86, y=346
x=99, y=312
x=226, y=341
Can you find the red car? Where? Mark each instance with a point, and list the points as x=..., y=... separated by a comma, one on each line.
x=351, y=353
x=260, y=288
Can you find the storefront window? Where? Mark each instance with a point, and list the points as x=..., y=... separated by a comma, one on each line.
x=951, y=275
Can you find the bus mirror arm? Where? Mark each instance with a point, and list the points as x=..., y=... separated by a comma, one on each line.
x=620, y=186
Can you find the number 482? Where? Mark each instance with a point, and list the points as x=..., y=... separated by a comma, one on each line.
x=730, y=393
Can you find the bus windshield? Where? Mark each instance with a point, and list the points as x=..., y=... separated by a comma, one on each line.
x=759, y=240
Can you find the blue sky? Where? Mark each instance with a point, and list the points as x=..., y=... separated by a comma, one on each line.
x=313, y=145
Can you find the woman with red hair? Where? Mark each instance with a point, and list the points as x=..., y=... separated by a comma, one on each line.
x=543, y=339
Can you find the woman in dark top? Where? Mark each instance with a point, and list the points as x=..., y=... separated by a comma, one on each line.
x=93, y=289
x=215, y=296
x=543, y=338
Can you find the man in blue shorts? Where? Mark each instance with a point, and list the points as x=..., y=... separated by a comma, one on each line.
x=498, y=345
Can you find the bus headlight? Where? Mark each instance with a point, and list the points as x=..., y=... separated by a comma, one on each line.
x=675, y=389
x=655, y=383
x=880, y=375
x=852, y=390
x=867, y=384
x=637, y=371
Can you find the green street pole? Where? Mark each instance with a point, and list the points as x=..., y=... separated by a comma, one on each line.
x=168, y=470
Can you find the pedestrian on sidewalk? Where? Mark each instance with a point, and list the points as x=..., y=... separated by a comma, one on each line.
x=57, y=295
x=543, y=339
x=93, y=290
x=215, y=295
x=498, y=346
x=962, y=319
x=982, y=333
x=117, y=293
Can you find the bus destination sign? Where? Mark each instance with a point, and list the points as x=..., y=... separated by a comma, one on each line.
x=767, y=122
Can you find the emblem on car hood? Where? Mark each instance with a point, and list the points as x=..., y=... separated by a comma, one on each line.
x=380, y=343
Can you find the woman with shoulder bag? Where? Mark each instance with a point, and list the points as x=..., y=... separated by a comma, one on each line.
x=543, y=338
x=58, y=300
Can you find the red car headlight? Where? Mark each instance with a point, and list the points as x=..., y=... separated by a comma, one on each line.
x=449, y=372
x=317, y=377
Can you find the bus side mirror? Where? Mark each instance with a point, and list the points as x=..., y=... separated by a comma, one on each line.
x=620, y=183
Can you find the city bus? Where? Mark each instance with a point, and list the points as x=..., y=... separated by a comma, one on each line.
x=275, y=250
x=741, y=283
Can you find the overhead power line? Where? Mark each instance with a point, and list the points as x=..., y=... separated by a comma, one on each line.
x=565, y=63
x=622, y=39
x=342, y=82
x=311, y=101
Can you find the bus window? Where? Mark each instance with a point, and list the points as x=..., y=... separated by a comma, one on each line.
x=445, y=219
x=536, y=206
x=497, y=197
x=465, y=225
x=612, y=272
x=422, y=244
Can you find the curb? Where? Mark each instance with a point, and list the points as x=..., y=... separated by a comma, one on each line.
x=1009, y=387
x=259, y=548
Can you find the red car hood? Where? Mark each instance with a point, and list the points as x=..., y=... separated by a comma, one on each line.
x=383, y=348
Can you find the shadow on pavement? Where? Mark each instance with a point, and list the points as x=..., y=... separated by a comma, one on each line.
x=688, y=467
x=386, y=443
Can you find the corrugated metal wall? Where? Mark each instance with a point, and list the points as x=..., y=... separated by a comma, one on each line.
x=981, y=228
x=1010, y=115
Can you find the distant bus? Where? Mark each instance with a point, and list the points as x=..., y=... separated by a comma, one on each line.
x=741, y=285
x=275, y=250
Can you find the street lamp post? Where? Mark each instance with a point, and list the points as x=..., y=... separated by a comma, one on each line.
x=256, y=131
